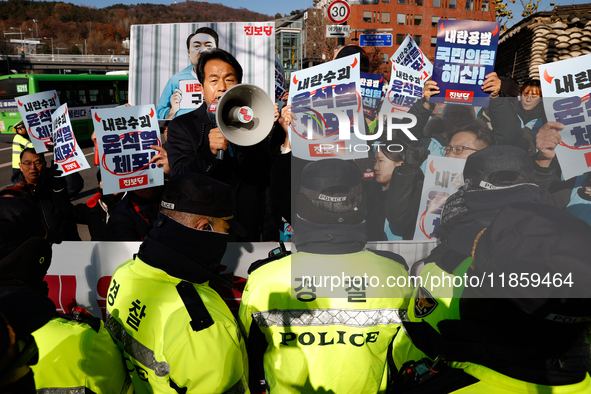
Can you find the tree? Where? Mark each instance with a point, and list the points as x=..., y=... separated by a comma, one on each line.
x=375, y=60
x=529, y=7
x=74, y=50
x=504, y=15
x=317, y=47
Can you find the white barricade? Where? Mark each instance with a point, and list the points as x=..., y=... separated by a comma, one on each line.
x=80, y=272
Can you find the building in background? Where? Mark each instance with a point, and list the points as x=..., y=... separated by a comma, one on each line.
x=416, y=17
x=544, y=37
x=288, y=42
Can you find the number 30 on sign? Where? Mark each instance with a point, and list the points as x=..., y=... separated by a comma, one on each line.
x=339, y=11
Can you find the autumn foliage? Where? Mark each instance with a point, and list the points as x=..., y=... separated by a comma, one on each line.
x=104, y=29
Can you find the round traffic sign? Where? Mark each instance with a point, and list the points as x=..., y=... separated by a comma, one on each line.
x=339, y=11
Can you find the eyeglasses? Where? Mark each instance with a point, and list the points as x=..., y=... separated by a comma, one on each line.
x=457, y=150
x=36, y=163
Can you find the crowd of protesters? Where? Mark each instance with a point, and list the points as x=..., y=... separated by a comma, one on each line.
x=175, y=333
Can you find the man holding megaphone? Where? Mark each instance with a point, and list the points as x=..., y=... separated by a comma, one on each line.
x=244, y=116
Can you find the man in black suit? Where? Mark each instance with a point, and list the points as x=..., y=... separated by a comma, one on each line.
x=194, y=141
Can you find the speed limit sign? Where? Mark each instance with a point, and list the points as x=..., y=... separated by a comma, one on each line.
x=339, y=11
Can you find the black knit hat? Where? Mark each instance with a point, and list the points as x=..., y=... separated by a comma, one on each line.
x=332, y=182
x=200, y=195
x=497, y=158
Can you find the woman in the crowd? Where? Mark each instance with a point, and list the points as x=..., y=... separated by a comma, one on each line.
x=530, y=110
x=386, y=159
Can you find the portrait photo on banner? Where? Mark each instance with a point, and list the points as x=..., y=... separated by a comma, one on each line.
x=163, y=57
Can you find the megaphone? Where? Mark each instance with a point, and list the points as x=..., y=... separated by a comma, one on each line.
x=244, y=114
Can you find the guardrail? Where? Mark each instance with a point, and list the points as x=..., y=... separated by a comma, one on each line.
x=65, y=58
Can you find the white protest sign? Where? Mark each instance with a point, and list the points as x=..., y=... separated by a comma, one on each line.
x=409, y=54
x=124, y=136
x=326, y=101
x=566, y=88
x=36, y=110
x=66, y=152
x=406, y=87
x=444, y=176
x=192, y=96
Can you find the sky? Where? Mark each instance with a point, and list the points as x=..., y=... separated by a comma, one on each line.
x=272, y=7
x=268, y=7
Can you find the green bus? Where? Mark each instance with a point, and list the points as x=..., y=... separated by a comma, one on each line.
x=82, y=92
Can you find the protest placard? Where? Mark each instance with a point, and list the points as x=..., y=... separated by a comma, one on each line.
x=124, y=136
x=326, y=101
x=566, y=88
x=444, y=176
x=371, y=91
x=406, y=87
x=409, y=54
x=158, y=60
x=192, y=96
x=465, y=54
x=36, y=110
x=67, y=154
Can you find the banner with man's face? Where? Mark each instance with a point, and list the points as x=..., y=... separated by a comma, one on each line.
x=162, y=67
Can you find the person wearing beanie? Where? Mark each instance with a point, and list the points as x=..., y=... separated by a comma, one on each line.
x=176, y=332
x=526, y=336
x=303, y=336
x=493, y=177
x=75, y=352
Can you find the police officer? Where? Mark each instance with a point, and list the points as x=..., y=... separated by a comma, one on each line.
x=494, y=176
x=20, y=142
x=524, y=326
x=176, y=333
x=303, y=337
x=76, y=353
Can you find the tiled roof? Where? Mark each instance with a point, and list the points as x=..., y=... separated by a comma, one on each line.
x=544, y=37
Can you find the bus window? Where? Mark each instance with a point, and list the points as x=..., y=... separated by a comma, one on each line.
x=94, y=96
x=82, y=97
x=109, y=96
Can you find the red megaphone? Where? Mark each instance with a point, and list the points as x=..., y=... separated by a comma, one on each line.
x=92, y=201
